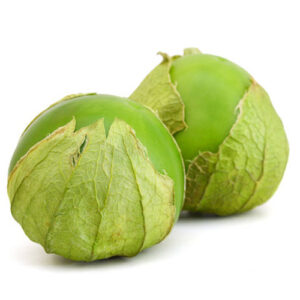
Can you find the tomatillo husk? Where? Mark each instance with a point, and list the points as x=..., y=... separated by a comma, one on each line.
x=96, y=176
x=233, y=143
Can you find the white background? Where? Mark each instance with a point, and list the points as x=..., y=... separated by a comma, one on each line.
x=53, y=48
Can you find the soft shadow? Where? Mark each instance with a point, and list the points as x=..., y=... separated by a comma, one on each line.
x=67, y=263
x=34, y=255
x=188, y=217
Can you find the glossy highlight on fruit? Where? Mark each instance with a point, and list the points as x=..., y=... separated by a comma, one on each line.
x=96, y=176
x=233, y=143
x=201, y=77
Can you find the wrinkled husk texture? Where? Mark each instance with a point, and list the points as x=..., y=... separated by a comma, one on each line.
x=250, y=162
x=88, y=196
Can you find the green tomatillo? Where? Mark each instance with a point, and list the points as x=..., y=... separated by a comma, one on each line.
x=96, y=176
x=233, y=142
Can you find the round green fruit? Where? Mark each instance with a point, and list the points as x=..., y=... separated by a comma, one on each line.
x=96, y=176
x=233, y=143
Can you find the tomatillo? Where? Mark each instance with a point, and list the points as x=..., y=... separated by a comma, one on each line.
x=233, y=143
x=96, y=176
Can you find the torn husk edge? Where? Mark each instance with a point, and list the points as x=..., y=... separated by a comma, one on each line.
x=249, y=164
x=159, y=93
x=72, y=96
x=66, y=98
x=69, y=128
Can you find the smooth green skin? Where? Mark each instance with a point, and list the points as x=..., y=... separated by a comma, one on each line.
x=211, y=88
x=161, y=147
